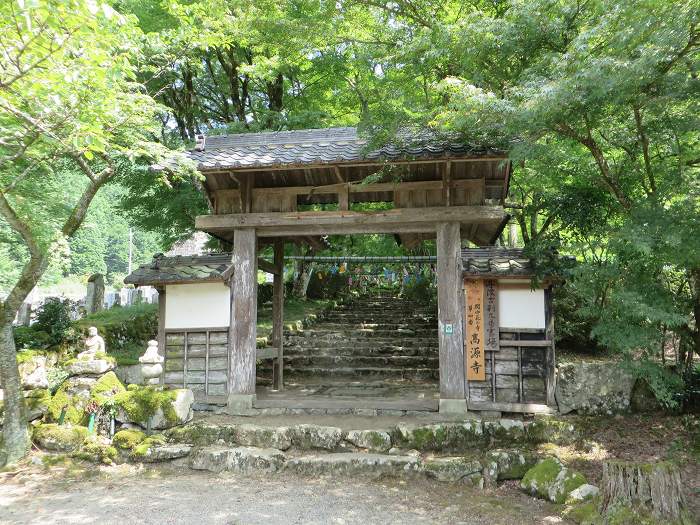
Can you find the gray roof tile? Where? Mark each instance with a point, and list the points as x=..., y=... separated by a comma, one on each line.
x=496, y=262
x=320, y=146
x=182, y=269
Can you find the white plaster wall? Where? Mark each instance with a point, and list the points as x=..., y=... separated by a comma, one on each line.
x=200, y=305
x=520, y=307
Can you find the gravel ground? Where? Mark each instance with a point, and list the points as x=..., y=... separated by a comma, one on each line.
x=169, y=496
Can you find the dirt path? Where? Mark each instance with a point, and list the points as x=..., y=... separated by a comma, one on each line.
x=168, y=496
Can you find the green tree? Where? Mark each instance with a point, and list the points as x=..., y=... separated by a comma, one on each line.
x=71, y=117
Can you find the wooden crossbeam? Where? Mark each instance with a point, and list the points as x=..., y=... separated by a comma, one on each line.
x=398, y=220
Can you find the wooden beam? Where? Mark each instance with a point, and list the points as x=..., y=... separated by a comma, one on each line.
x=244, y=313
x=450, y=325
x=364, y=188
x=267, y=266
x=278, y=313
x=338, y=175
x=299, y=221
x=356, y=164
x=344, y=198
x=447, y=183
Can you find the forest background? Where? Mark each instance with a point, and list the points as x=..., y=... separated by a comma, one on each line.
x=596, y=101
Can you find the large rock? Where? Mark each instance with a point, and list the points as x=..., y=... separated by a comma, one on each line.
x=354, y=463
x=32, y=372
x=316, y=436
x=373, y=440
x=199, y=433
x=237, y=459
x=59, y=438
x=508, y=464
x=158, y=453
x=551, y=480
x=262, y=437
x=129, y=374
x=89, y=367
x=172, y=407
x=72, y=397
x=548, y=429
x=505, y=431
x=454, y=437
x=593, y=388
x=36, y=403
x=454, y=469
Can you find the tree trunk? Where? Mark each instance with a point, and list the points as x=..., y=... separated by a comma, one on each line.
x=301, y=285
x=15, y=434
x=655, y=487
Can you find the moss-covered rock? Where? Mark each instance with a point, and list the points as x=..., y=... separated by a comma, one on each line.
x=548, y=429
x=373, y=440
x=59, y=438
x=74, y=396
x=142, y=449
x=200, y=434
x=448, y=437
x=95, y=450
x=585, y=514
x=106, y=388
x=453, y=469
x=551, y=480
x=505, y=432
x=164, y=408
x=128, y=439
x=36, y=403
x=508, y=464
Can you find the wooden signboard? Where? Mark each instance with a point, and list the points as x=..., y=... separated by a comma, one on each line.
x=474, y=344
x=491, y=331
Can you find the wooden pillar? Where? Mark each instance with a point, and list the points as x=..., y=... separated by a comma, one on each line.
x=161, y=326
x=450, y=313
x=278, y=312
x=244, y=314
x=550, y=360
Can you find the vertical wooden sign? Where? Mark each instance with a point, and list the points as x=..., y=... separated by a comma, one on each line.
x=474, y=344
x=492, y=334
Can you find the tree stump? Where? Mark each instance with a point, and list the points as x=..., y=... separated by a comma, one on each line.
x=654, y=486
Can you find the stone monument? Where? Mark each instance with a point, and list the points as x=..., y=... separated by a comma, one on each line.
x=151, y=364
x=94, y=301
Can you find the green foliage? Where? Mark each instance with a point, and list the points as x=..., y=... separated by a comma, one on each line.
x=94, y=450
x=126, y=331
x=264, y=293
x=53, y=318
x=31, y=337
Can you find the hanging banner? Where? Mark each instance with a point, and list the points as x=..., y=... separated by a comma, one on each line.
x=474, y=343
x=492, y=334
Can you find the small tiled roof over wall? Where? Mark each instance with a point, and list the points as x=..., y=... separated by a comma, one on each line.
x=496, y=262
x=182, y=269
x=319, y=146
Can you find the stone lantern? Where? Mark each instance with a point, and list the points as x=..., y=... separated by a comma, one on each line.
x=151, y=364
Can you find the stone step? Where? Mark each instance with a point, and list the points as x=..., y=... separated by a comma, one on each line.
x=359, y=350
x=305, y=341
x=362, y=324
x=351, y=361
x=375, y=372
x=320, y=330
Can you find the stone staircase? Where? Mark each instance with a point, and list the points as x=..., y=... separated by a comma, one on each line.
x=376, y=338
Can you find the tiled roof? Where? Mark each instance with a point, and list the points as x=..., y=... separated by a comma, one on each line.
x=496, y=262
x=182, y=269
x=319, y=146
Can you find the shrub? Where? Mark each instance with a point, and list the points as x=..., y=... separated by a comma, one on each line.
x=264, y=293
x=54, y=318
x=31, y=337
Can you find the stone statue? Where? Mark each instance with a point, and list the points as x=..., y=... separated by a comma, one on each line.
x=151, y=364
x=94, y=344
